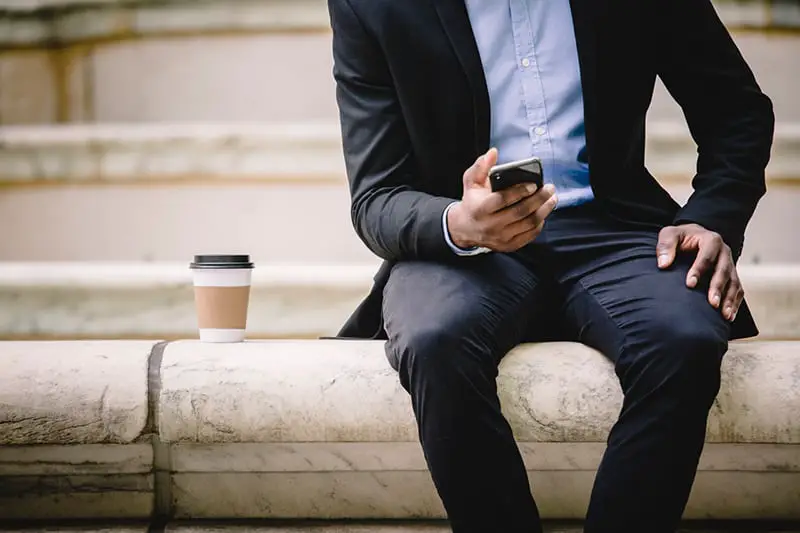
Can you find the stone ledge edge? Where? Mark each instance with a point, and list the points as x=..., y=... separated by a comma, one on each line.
x=44, y=22
x=267, y=153
x=62, y=24
x=346, y=276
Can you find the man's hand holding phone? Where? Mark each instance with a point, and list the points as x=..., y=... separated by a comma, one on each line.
x=503, y=221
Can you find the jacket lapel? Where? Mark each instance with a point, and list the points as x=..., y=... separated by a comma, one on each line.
x=455, y=20
x=585, y=22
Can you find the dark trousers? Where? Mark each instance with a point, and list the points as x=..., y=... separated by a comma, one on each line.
x=587, y=278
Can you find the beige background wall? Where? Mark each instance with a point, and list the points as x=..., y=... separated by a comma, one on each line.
x=227, y=61
x=240, y=61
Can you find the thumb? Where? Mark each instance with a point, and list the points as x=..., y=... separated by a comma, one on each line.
x=477, y=176
x=667, y=247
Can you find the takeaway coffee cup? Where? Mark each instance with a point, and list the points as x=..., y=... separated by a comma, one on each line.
x=222, y=295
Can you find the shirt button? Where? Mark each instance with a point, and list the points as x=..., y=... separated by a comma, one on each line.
x=526, y=62
x=539, y=131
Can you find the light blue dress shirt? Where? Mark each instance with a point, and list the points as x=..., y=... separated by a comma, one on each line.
x=530, y=61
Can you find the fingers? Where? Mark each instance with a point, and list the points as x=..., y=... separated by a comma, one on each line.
x=720, y=281
x=725, y=292
x=534, y=219
x=709, y=250
x=734, y=295
x=497, y=201
x=713, y=256
x=478, y=174
x=667, y=247
x=518, y=234
x=518, y=202
x=520, y=240
x=529, y=206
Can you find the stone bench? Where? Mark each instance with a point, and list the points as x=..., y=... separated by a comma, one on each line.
x=322, y=430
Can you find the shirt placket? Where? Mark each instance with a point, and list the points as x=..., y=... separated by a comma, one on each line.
x=533, y=95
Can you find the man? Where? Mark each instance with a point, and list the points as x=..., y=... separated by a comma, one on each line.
x=425, y=88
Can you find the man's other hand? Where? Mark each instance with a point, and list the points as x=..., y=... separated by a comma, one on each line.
x=714, y=257
x=502, y=221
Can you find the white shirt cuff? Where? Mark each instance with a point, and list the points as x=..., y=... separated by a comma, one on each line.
x=463, y=252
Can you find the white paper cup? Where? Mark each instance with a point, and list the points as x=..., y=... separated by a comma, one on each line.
x=222, y=296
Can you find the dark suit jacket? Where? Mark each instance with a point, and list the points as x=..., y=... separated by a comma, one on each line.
x=415, y=114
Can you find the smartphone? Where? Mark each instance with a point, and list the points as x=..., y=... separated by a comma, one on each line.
x=524, y=171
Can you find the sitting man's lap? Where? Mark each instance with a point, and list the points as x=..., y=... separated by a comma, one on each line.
x=449, y=324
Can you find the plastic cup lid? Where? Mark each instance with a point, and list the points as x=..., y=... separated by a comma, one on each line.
x=221, y=262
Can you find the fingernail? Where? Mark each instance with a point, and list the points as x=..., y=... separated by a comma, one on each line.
x=692, y=281
x=733, y=316
x=715, y=302
x=532, y=188
x=663, y=260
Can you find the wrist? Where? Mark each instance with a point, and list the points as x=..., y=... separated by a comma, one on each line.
x=456, y=228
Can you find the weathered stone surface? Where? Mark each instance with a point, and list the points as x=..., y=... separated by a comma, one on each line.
x=357, y=495
x=84, y=481
x=156, y=300
x=230, y=89
x=407, y=457
x=86, y=529
x=149, y=152
x=84, y=460
x=72, y=393
x=259, y=218
x=773, y=294
x=745, y=495
x=257, y=184
x=110, y=18
x=262, y=220
x=321, y=429
x=192, y=75
x=333, y=528
x=145, y=152
x=404, y=495
x=80, y=497
x=282, y=391
x=70, y=21
x=28, y=93
x=272, y=386
x=317, y=527
x=566, y=393
x=416, y=526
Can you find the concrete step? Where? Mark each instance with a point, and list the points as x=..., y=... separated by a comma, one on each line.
x=373, y=527
x=278, y=191
x=200, y=61
x=155, y=300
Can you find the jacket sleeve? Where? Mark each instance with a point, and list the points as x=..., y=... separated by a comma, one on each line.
x=390, y=214
x=730, y=119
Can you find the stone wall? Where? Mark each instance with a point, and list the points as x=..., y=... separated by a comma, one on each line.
x=112, y=61
x=238, y=60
